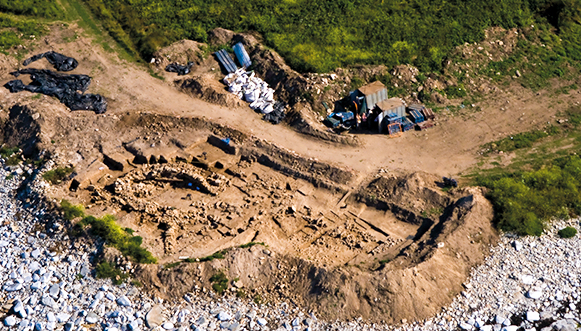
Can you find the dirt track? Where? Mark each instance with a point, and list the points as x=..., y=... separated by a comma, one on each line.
x=447, y=149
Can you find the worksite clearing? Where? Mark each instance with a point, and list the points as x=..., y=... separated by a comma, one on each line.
x=345, y=225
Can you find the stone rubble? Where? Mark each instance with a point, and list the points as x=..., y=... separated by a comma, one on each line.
x=47, y=283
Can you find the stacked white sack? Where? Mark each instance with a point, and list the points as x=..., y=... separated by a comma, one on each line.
x=252, y=89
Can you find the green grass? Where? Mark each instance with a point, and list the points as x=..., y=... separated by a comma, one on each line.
x=11, y=155
x=108, y=229
x=318, y=35
x=72, y=211
x=14, y=30
x=77, y=11
x=524, y=201
x=219, y=282
x=520, y=140
x=57, y=175
x=541, y=180
x=218, y=255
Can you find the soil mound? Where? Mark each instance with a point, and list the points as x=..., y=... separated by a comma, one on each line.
x=206, y=87
x=181, y=52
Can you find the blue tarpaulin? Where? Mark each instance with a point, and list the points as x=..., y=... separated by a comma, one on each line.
x=226, y=61
x=242, y=56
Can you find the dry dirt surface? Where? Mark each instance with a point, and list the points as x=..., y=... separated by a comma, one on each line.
x=348, y=231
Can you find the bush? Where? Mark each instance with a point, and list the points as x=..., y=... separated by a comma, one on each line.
x=219, y=282
x=129, y=245
x=107, y=270
x=72, y=211
x=56, y=176
x=568, y=232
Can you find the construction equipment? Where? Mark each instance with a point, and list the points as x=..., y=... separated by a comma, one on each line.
x=393, y=118
x=427, y=113
x=424, y=125
x=340, y=119
x=242, y=55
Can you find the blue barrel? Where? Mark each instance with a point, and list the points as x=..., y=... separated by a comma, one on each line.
x=241, y=55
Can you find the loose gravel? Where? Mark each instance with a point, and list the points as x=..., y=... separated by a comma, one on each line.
x=47, y=283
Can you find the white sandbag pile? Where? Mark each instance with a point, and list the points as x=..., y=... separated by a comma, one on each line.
x=252, y=89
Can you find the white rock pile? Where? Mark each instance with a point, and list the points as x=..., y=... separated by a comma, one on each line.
x=46, y=283
x=245, y=85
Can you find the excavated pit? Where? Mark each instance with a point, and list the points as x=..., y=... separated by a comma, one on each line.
x=386, y=247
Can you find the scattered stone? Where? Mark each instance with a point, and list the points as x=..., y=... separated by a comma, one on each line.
x=224, y=316
x=534, y=293
x=154, y=317
x=10, y=321
x=168, y=326
x=92, y=318
x=124, y=301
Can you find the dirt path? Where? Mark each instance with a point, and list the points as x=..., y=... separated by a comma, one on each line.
x=447, y=149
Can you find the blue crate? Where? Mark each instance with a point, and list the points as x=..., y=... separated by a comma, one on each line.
x=406, y=124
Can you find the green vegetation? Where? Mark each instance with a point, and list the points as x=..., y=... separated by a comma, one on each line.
x=72, y=211
x=568, y=232
x=115, y=236
x=322, y=35
x=107, y=270
x=108, y=229
x=241, y=294
x=520, y=140
x=171, y=265
x=136, y=283
x=219, y=282
x=217, y=255
x=11, y=155
x=9, y=177
x=14, y=29
x=525, y=200
x=37, y=8
x=258, y=299
x=252, y=243
x=56, y=176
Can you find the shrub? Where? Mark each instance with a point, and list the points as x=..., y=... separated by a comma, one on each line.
x=252, y=243
x=107, y=270
x=129, y=245
x=568, y=232
x=56, y=176
x=219, y=282
x=72, y=211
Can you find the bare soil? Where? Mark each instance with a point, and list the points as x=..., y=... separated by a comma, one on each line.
x=349, y=230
